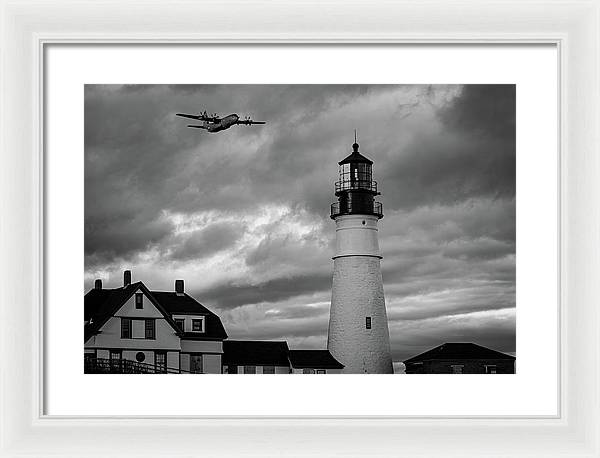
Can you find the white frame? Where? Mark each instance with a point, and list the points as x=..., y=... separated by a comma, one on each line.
x=28, y=26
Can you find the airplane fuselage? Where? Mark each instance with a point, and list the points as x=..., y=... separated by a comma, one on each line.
x=224, y=123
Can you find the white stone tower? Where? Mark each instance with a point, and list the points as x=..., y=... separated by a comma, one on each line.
x=358, y=329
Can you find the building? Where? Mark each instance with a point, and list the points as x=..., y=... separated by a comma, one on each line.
x=461, y=358
x=255, y=357
x=133, y=329
x=358, y=334
x=274, y=357
x=314, y=362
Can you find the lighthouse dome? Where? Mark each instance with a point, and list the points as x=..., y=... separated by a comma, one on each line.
x=355, y=157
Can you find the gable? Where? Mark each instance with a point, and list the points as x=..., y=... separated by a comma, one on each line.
x=148, y=310
x=102, y=305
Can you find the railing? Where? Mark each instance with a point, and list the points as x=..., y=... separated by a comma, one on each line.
x=124, y=366
x=357, y=208
x=347, y=185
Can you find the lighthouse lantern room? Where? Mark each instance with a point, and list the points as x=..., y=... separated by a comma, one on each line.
x=356, y=189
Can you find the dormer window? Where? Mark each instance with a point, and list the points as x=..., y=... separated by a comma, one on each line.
x=198, y=324
x=139, y=300
x=180, y=322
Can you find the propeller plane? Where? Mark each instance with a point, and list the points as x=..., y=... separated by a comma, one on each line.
x=214, y=123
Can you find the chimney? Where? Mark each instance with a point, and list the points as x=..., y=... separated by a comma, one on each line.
x=179, y=286
x=98, y=284
x=127, y=278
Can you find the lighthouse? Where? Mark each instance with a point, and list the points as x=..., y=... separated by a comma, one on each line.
x=358, y=330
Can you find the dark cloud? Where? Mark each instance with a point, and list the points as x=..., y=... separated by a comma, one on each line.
x=231, y=295
x=469, y=152
x=205, y=242
x=486, y=109
x=243, y=215
x=122, y=235
x=479, y=249
x=493, y=330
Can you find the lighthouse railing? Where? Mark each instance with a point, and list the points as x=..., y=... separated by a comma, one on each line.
x=374, y=208
x=346, y=185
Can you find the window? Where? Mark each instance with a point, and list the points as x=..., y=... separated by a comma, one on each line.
x=268, y=369
x=150, y=328
x=115, y=360
x=321, y=371
x=308, y=371
x=198, y=325
x=249, y=369
x=457, y=368
x=139, y=301
x=196, y=364
x=364, y=173
x=232, y=369
x=490, y=369
x=180, y=322
x=160, y=362
x=125, y=328
x=368, y=322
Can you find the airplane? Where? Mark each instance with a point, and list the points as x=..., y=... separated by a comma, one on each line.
x=213, y=123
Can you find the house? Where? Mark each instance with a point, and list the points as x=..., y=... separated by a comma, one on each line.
x=460, y=358
x=274, y=357
x=133, y=329
x=255, y=357
x=314, y=362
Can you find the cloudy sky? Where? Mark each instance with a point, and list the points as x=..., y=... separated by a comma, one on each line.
x=243, y=215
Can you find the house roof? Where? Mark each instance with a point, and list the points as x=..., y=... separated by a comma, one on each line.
x=459, y=350
x=99, y=303
x=102, y=304
x=314, y=359
x=182, y=304
x=255, y=353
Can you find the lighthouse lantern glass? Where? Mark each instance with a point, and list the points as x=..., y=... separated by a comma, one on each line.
x=355, y=176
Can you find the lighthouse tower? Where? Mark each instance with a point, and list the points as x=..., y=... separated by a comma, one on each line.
x=358, y=329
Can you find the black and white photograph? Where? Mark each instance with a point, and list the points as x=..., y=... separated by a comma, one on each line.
x=300, y=229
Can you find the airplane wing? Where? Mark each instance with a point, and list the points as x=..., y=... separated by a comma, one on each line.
x=197, y=127
x=249, y=122
x=202, y=117
x=183, y=115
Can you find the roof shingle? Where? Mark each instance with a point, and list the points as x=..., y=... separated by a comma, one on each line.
x=255, y=353
x=314, y=359
x=459, y=350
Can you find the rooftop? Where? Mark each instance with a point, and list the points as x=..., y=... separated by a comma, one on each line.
x=355, y=157
x=255, y=353
x=314, y=359
x=459, y=350
x=101, y=304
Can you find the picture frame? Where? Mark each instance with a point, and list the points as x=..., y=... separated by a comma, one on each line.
x=28, y=27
